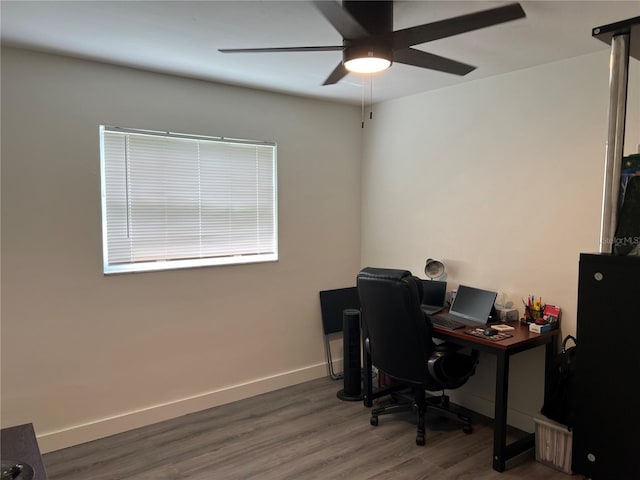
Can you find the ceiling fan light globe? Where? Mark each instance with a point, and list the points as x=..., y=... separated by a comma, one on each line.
x=367, y=64
x=371, y=58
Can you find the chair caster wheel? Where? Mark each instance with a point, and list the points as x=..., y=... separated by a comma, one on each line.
x=420, y=440
x=467, y=429
x=373, y=421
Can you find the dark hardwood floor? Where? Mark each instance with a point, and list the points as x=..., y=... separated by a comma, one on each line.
x=300, y=432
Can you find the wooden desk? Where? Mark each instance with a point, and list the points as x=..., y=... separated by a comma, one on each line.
x=522, y=340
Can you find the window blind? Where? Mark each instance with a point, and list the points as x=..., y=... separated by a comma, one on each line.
x=176, y=201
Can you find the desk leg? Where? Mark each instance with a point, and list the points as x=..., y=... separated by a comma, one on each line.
x=500, y=414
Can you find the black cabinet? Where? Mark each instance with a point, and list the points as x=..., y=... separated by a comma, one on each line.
x=606, y=434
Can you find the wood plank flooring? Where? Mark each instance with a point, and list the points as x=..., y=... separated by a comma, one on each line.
x=300, y=432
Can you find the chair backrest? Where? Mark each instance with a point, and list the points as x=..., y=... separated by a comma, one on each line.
x=399, y=337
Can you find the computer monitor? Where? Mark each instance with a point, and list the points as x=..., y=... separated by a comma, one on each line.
x=434, y=292
x=473, y=304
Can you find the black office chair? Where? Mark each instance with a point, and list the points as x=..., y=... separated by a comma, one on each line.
x=398, y=336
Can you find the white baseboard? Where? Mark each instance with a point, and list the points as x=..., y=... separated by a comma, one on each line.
x=77, y=434
x=56, y=440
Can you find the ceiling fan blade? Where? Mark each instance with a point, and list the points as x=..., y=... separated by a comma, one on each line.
x=342, y=21
x=338, y=73
x=418, y=58
x=332, y=48
x=456, y=25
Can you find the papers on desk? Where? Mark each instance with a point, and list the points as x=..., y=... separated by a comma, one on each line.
x=479, y=332
x=503, y=327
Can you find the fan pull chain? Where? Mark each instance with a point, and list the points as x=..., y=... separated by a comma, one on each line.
x=362, y=111
x=370, y=97
x=364, y=79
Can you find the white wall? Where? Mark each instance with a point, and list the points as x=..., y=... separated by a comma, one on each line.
x=501, y=179
x=84, y=355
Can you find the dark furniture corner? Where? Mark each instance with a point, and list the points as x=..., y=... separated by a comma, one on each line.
x=19, y=445
x=605, y=432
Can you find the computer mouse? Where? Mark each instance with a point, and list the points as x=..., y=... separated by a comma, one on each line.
x=490, y=331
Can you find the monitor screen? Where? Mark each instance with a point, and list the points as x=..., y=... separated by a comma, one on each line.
x=434, y=292
x=473, y=303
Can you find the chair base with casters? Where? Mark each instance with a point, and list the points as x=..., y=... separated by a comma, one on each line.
x=417, y=400
x=444, y=366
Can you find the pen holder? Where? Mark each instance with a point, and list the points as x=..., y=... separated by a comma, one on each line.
x=531, y=314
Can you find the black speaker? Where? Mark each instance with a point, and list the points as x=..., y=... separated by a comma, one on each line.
x=352, y=390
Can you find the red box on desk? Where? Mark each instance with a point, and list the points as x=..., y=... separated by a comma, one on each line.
x=549, y=321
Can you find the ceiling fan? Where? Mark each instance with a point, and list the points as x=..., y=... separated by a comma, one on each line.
x=369, y=43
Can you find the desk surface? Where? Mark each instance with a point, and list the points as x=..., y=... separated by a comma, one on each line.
x=522, y=338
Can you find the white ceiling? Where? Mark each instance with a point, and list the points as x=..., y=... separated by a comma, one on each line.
x=182, y=38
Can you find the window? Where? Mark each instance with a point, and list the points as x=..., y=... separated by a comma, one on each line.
x=175, y=201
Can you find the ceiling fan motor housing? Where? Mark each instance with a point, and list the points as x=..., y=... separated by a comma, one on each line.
x=376, y=17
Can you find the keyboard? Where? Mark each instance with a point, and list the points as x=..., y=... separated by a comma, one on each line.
x=446, y=323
